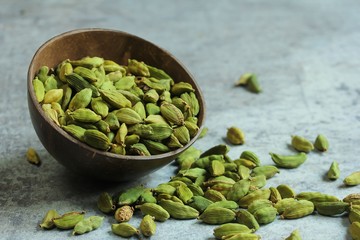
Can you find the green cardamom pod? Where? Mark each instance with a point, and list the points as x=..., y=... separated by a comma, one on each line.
x=353, y=179
x=32, y=157
x=178, y=210
x=298, y=209
x=246, y=218
x=53, y=95
x=47, y=222
x=115, y=98
x=258, y=204
x=87, y=225
x=89, y=62
x=331, y=208
x=151, y=96
x=238, y=190
x=295, y=235
x=152, y=209
x=124, y=230
x=275, y=195
x=321, y=143
x=251, y=156
x=230, y=228
x=334, y=171
x=172, y=114
x=148, y=226
x=200, y=203
x=81, y=99
x=286, y=191
x=217, y=215
x=138, y=68
x=85, y=115
x=96, y=139
x=235, y=136
x=354, y=230
x=267, y=170
x=301, y=144
x=125, y=83
x=130, y=196
x=245, y=201
x=68, y=220
x=316, y=197
x=265, y=215
x=105, y=203
x=38, y=89
x=288, y=161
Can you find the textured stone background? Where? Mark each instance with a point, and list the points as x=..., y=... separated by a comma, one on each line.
x=306, y=54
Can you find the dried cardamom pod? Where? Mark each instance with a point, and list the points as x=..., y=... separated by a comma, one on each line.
x=53, y=95
x=87, y=225
x=286, y=191
x=217, y=215
x=251, y=156
x=47, y=222
x=353, y=179
x=130, y=196
x=316, y=197
x=301, y=144
x=321, y=143
x=266, y=170
x=172, y=114
x=178, y=210
x=246, y=218
x=288, y=161
x=331, y=208
x=68, y=220
x=265, y=215
x=154, y=210
x=334, y=171
x=124, y=230
x=354, y=230
x=235, y=136
x=96, y=139
x=298, y=209
x=105, y=203
x=230, y=228
x=295, y=235
x=184, y=193
x=32, y=157
x=238, y=190
x=200, y=203
x=84, y=115
x=38, y=89
x=148, y=226
x=245, y=201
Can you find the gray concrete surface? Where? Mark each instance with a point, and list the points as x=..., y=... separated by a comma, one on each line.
x=306, y=54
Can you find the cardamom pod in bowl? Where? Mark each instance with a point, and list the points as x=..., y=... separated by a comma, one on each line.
x=111, y=105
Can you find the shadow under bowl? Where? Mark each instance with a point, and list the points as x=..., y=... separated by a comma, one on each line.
x=117, y=46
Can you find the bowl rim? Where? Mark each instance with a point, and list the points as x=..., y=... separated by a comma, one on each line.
x=84, y=145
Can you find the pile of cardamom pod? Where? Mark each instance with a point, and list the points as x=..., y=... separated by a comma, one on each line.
x=215, y=189
x=230, y=193
x=135, y=109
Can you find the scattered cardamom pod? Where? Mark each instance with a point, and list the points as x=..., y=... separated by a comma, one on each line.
x=321, y=143
x=148, y=226
x=301, y=144
x=334, y=171
x=235, y=136
x=353, y=179
x=32, y=157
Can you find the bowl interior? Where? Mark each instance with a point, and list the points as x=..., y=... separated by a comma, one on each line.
x=117, y=46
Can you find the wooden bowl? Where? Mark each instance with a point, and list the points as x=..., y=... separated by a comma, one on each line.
x=114, y=45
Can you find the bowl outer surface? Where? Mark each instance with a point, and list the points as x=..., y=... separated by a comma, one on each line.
x=117, y=46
